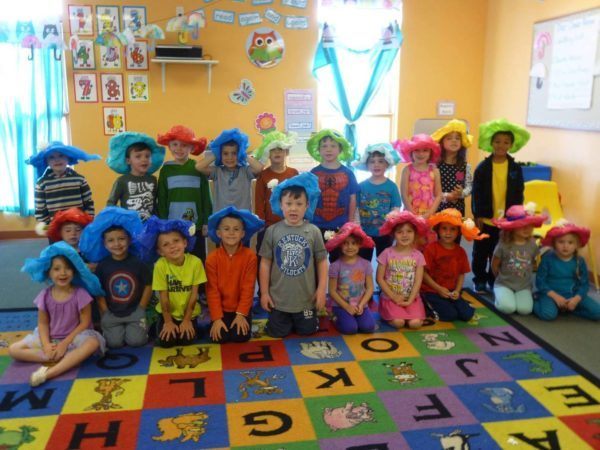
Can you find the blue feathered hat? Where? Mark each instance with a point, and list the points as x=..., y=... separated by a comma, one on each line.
x=73, y=154
x=155, y=226
x=235, y=134
x=118, y=150
x=305, y=180
x=38, y=268
x=252, y=223
x=91, y=243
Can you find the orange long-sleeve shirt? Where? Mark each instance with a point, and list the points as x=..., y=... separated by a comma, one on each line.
x=231, y=281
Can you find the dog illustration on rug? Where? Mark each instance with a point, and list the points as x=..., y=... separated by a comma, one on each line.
x=181, y=360
x=264, y=386
x=433, y=342
x=455, y=440
x=501, y=398
x=107, y=387
x=185, y=427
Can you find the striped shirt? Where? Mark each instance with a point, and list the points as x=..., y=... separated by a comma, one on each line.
x=53, y=194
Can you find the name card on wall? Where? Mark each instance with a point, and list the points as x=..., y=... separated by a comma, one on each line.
x=262, y=2
x=295, y=3
x=272, y=15
x=222, y=16
x=249, y=19
x=296, y=22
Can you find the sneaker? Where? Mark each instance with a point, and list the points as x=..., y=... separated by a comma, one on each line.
x=480, y=288
x=38, y=377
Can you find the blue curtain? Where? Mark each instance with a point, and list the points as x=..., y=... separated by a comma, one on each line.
x=32, y=108
x=356, y=74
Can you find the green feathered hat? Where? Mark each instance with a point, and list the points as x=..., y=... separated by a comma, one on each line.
x=274, y=139
x=312, y=146
x=489, y=129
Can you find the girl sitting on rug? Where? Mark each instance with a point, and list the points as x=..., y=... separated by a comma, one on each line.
x=562, y=278
x=64, y=337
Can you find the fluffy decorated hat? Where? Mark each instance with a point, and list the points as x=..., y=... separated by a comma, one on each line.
x=563, y=227
x=73, y=154
x=454, y=126
x=391, y=156
x=518, y=216
x=397, y=217
x=418, y=142
x=236, y=135
x=489, y=129
x=312, y=146
x=91, y=244
x=117, y=154
x=272, y=140
x=454, y=217
x=38, y=268
x=71, y=215
x=252, y=223
x=349, y=228
x=305, y=180
x=155, y=226
x=185, y=135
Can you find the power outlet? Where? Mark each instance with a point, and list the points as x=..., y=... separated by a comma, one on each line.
x=179, y=11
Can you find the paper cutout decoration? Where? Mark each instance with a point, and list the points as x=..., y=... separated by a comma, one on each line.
x=247, y=19
x=110, y=57
x=52, y=39
x=137, y=56
x=114, y=120
x=244, y=94
x=542, y=40
x=112, y=87
x=107, y=18
x=86, y=87
x=137, y=87
x=265, y=48
x=134, y=19
x=538, y=71
x=187, y=24
x=153, y=33
x=80, y=20
x=265, y=123
x=26, y=36
x=296, y=22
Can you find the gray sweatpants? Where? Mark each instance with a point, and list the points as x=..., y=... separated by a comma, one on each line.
x=131, y=330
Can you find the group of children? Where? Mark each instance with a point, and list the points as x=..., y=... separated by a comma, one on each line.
x=310, y=218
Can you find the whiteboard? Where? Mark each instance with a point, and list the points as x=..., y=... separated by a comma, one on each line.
x=564, y=82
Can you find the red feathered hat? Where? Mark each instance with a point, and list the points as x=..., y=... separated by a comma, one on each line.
x=71, y=215
x=350, y=228
x=183, y=134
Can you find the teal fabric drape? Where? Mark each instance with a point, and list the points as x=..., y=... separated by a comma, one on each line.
x=356, y=74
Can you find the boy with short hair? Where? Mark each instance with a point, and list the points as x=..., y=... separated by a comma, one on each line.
x=127, y=281
x=231, y=274
x=136, y=156
x=67, y=226
x=293, y=259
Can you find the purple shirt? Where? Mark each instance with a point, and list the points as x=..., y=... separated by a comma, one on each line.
x=351, y=279
x=64, y=316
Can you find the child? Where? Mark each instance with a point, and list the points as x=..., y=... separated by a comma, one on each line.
x=447, y=264
x=58, y=186
x=562, y=277
x=64, y=336
x=231, y=273
x=67, y=226
x=137, y=156
x=293, y=259
x=233, y=171
x=351, y=281
x=337, y=203
x=420, y=183
x=497, y=185
x=126, y=280
x=514, y=259
x=400, y=270
x=183, y=192
x=377, y=196
x=455, y=173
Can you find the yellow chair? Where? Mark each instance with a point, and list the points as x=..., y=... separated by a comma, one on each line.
x=545, y=195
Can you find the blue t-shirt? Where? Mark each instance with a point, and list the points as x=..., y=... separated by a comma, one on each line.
x=374, y=202
x=336, y=185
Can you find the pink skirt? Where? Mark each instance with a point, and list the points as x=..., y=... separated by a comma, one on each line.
x=388, y=310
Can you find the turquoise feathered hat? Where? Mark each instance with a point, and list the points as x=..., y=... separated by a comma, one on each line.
x=118, y=150
x=252, y=223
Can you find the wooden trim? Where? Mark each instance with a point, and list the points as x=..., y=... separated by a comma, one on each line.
x=24, y=234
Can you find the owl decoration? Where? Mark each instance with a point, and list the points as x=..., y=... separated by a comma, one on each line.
x=265, y=48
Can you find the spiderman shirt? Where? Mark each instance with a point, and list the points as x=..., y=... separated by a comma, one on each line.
x=336, y=185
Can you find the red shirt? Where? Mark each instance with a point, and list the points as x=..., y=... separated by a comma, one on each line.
x=444, y=265
x=262, y=194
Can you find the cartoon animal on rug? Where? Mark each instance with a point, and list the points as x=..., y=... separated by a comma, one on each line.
x=253, y=380
x=501, y=398
x=319, y=350
x=108, y=387
x=402, y=373
x=185, y=427
x=537, y=364
x=13, y=439
x=180, y=360
x=456, y=440
x=258, y=329
x=433, y=342
x=347, y=416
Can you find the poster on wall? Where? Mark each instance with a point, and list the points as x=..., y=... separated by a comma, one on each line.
x=86, y=88
x=137, y=87
x=137, y=55
x=112, y=87
x=134, y=19
x=83, y=55
x=299, y=109
x=107, y=19
x=110, y=57
x=80, y=20
x=114, y=120
x=265, y=47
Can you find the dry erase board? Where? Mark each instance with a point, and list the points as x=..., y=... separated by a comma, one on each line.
x=564, y=82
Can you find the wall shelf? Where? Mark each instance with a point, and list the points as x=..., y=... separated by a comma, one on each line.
x=204, y=62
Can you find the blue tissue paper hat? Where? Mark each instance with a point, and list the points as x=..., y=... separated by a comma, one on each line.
x=38, y=268
x=91, y=243
x=155, y=226
x=252, y=223
x=73, y=154
x=306, y=180
x=235, y=134
x=118, y=150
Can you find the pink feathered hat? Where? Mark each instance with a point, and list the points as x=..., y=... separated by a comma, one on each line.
x=519, y=216
x=563, y=227
x=349, y=228
x=418, y=141
x=397, y=217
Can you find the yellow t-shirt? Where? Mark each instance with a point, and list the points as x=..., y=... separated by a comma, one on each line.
x=499, y=183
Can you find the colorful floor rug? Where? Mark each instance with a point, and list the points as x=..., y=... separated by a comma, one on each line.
x=478, y=385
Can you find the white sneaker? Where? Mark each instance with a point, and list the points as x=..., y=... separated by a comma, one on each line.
x=38, y=377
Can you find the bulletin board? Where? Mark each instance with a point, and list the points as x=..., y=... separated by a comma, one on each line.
x=564, y=82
